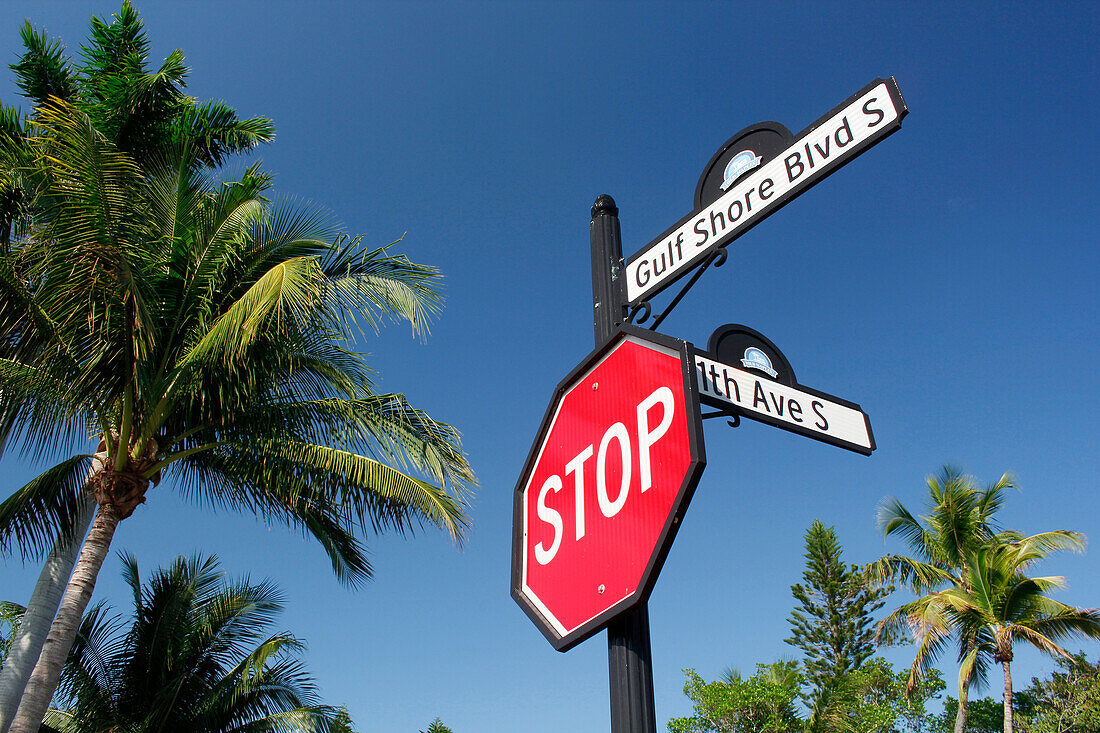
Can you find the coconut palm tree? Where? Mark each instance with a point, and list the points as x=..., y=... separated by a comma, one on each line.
x=960, y=521
x=144, y=112
x=1004, y=605
x=200, y=332
x=195, y=656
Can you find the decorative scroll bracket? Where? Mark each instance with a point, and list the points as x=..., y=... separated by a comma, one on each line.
x=717, y=258
x=735, y=422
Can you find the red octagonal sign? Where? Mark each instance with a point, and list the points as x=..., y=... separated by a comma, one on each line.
x=606, y=484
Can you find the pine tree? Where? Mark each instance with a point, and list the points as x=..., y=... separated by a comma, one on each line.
x=831, y=622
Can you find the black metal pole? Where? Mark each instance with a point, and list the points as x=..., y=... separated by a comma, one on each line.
x=607, y=267
x=630, y=668
x=630, y=671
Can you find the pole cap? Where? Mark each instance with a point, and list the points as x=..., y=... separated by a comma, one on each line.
x=604, y=205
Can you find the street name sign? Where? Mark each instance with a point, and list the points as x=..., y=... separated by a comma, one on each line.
x=745, y=371
x=605, y=486
x=761, y=169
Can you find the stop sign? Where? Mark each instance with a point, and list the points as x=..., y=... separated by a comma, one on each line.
x=606, y=484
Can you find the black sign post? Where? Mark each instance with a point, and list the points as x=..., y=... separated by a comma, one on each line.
x=629, y=660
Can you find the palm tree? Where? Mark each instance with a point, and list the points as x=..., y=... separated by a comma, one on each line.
x=195, y=657
x=199, y=331
x=143, y=112
x=1003, y=605
x=960, y=521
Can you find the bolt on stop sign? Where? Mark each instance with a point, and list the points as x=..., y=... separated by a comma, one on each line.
x=606, y=484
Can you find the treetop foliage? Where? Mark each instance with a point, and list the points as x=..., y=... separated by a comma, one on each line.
x=764, y=702
x=195, y=655
x=1067, y=702
x=871, y=699
x=142, y=110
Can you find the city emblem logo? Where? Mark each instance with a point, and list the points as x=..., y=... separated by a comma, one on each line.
x=757, y=359
x=746, y=160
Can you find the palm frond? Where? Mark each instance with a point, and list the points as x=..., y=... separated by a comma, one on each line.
x=971, y=671
x=378, y=285
x=246, y=486
x=377, y=494
x=1062, y=623
x=287, y=290
x=1044, y=543
x=218, y=133
x=40, y=409
x=384, y=426
x=91, y=264
x=286, y=232
x=931, y=628
x=992, y=497
x=920, y=576
x=89, y=674
x=346, y=554
x=894, y=518
x=306, y=718
x=44, y=509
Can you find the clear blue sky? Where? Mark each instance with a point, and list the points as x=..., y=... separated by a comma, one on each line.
x=945, y=281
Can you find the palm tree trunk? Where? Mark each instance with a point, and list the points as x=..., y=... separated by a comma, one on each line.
x=960, y=716
x=43, y=682
x=26, y=646
x=1008, y=695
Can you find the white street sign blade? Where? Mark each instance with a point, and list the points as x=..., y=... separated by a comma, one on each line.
x=855, y=125
x=800, y=410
